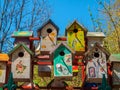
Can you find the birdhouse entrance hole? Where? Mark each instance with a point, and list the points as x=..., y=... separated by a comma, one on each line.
x=49, y=30
x=20, y=54
x=96, y=54
x=75, y=30
x=62, y=53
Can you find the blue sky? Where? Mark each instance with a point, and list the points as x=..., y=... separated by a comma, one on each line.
x=63, y=12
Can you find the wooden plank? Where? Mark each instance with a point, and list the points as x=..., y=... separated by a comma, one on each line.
x=43, y=57
x=34, y=38
x=43, y=63
x=62, y=39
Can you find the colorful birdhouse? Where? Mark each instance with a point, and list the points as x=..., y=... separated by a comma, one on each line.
x=115, y=60
x=76, y=37
x=21, y=62
x=48, y=33
x=94, y=37
x=22, y=37
x=62, y=60
x=96, y=61
x=4, y=58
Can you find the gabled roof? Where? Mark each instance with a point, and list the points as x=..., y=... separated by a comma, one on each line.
x=51, y=22
x=4, y=57
x=95, y=34
x=21, y=45
x=60, y=44
x=22, y=34
x=75, y=21
x=97, y=45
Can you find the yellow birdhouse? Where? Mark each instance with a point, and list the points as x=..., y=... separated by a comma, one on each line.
x=76, y=35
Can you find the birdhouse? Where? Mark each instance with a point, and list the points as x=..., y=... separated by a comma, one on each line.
x=4, y=58
x=62, y=61
x=48, y=33
x=76, y=37
x=115, y=60
x=96, y=63
x=21, y=62
x=22, y=37
x=94, y=37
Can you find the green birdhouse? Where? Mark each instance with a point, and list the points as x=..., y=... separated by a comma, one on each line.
x=62, y=60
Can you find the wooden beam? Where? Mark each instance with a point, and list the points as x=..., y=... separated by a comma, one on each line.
x=42, y=63
x=34, y=38
x=62, y=38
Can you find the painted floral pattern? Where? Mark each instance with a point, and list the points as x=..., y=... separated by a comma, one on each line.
x=20, y=67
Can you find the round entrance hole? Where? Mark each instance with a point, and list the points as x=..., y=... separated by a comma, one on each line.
x=75, y=30
x=20, y=54
x=96, y=54
x=49, y=30
x=62, y=53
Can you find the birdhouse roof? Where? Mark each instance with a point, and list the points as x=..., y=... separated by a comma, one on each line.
x=95, y=34
x=74, y=22
x=4, y=57
x=22, y=34
x=51, y=22
x=115, y=58
x=97, y=45
x=60, y=44
x=21, y=45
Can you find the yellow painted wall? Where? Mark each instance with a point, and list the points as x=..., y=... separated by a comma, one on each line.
x=76, y=40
